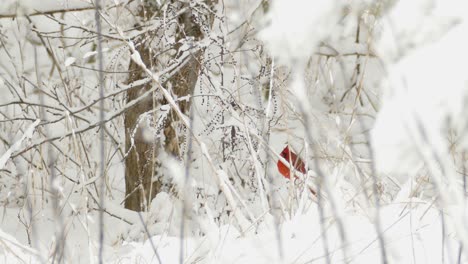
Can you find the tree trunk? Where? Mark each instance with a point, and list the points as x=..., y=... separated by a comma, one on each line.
x=141, y=186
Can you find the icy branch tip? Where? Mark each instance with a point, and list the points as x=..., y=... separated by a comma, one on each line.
x=137, y=58
x=16, y=146
x=204, y=150
x=31, y=128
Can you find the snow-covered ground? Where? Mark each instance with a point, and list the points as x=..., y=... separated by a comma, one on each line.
x=414, y=232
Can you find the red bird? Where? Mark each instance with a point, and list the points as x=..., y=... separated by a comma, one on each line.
x=294, y=161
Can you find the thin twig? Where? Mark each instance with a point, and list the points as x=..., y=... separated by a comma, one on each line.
x=49, y=12
x=102, y=126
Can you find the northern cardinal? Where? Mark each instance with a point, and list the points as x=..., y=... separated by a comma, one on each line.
x=295, y=161
x=292, y=158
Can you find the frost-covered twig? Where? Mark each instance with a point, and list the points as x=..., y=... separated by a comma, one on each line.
x=17, y=145
x=378, y=224
x=149, y=237
x=10, y=244
x=102, y=174
x=440, y=170
x=50, y=12
x=322, y=181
